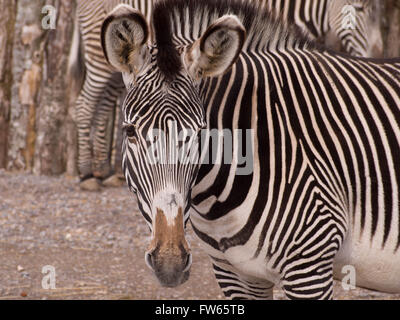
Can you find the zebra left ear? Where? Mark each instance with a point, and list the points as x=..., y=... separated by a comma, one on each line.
x=217, y=50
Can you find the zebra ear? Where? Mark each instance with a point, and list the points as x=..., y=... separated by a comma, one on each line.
x=124, y=34
x=218, y=49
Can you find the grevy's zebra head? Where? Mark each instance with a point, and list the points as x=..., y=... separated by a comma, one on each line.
x=163, y=95
x=357, y=24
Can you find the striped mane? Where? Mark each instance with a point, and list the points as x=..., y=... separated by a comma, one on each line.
x=180, y=22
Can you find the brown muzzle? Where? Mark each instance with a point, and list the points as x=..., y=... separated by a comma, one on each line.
x=169, y=253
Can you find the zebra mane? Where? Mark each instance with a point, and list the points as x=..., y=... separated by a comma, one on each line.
x=181, y=22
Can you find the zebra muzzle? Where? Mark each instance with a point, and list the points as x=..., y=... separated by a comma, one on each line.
x=169, y=253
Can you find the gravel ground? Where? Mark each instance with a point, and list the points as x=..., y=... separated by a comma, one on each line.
x=95, y=242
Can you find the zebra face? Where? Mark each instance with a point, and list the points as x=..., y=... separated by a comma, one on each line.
x=357, y=25
x=160, y=162
x=164, y=114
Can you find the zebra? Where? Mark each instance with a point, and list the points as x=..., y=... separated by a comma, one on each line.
x=321, y=18
x=350, y=26
x=96, y=87
x=323, y=192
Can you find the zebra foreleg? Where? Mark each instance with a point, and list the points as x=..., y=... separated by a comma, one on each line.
x=237, y=287
x=309, y=281
x=102, y=136
x=86, y=106
x=307, y=272
x=84, y=110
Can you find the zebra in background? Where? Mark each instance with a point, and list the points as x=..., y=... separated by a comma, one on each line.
x=357, y=24
x=102, y=86
x=96, y=87
x=325, y=144
x=350, y=26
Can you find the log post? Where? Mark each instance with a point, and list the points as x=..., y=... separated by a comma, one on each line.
x=7, y=21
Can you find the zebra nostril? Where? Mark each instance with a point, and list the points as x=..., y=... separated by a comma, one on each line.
x=149, y=260
x=188, y=262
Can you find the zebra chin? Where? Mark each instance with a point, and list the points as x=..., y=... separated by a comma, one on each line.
x=172, y=280
x=169, y=254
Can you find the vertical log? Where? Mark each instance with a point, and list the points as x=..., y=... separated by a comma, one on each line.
x=26, y=69
x=7, y=21
x=51, y=150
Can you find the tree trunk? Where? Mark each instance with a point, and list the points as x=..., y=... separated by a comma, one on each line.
x=28, y=46
x=51, y=142
x=8, y=8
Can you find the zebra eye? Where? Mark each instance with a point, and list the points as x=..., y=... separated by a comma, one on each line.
x=200, y=73
x=130, y=131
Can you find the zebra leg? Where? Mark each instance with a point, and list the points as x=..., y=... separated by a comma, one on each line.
x=307, y=272
x=103, y=137
x=118, y=178
x=86, y=104
x=312, y=281
x=84, y=109
x=236, y=286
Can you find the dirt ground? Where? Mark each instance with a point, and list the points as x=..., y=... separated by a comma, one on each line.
x=95, y=242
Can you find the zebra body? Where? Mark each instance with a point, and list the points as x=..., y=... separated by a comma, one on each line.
x=324, y=190
x=101, y=88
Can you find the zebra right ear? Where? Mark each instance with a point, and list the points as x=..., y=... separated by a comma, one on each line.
x=217, y=49
x=124, y=34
